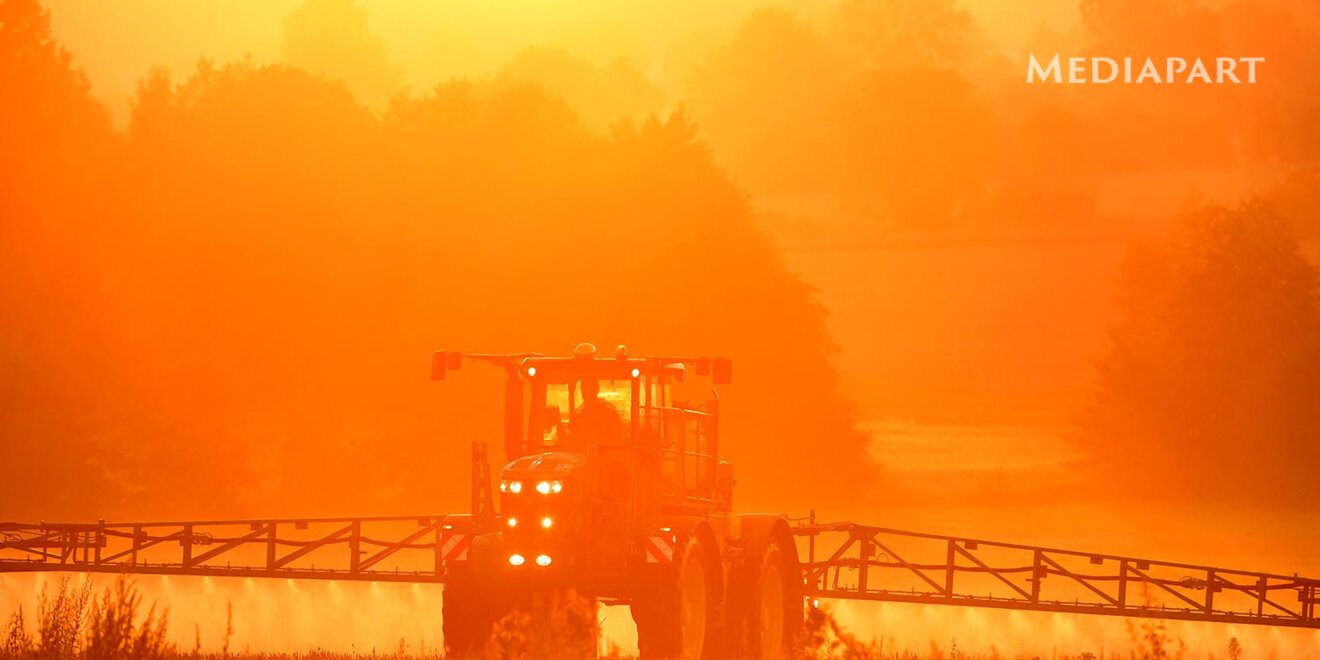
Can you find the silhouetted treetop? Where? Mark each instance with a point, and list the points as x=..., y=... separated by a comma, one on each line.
x=1211, y=379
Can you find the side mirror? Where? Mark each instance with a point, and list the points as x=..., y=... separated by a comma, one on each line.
x=721, y=371
x=442, y=361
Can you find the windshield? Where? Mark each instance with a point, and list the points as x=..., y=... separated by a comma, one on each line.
x=556, y=416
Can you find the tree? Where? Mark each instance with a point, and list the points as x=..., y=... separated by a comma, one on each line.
x=57, y=148
x=332, y=38
x=277, y=262
x=47, y=117
x=1133, y=26
x=903, y=142
x=601, y=95
x=764, y=101
x=901, y=34
x=1208, y=388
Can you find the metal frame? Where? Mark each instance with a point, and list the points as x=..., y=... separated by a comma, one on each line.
x=692, y=458
x=844, y=561
x=864, y=563
x=347, y=548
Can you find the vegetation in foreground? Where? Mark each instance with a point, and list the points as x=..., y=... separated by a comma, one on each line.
x=76, y=623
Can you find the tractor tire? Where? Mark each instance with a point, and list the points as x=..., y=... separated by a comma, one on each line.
x=462, y=632
x=775, y=609
x=469, y=611
x=674, y=611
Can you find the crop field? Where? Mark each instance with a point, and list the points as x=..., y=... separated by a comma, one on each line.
x=74, y=619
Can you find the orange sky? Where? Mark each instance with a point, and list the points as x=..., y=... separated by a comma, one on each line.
x=434, y=41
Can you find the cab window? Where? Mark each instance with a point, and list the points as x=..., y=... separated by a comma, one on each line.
x=617, y=393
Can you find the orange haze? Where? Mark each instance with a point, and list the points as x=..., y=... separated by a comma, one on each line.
x=231, y=235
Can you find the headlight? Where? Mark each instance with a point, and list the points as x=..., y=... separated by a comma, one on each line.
x=543, y=560
x=548, y=487
x=517, y=559
x=507, y=486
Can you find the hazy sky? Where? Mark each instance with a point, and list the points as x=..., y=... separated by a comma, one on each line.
x=116, y=43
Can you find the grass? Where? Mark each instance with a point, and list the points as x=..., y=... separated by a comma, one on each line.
x=72, y=623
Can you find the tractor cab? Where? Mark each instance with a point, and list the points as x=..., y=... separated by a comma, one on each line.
x=578, y=403
x=599, y=450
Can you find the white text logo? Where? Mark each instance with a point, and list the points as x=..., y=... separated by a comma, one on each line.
x=1129, y=70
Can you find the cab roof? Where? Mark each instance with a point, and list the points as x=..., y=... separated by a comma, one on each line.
x=576, y=367
x=564, y=369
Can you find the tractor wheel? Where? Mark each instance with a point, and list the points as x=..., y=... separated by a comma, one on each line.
x=776, y=607
x=673, y=612
x=469, y=611
x=461, y=631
